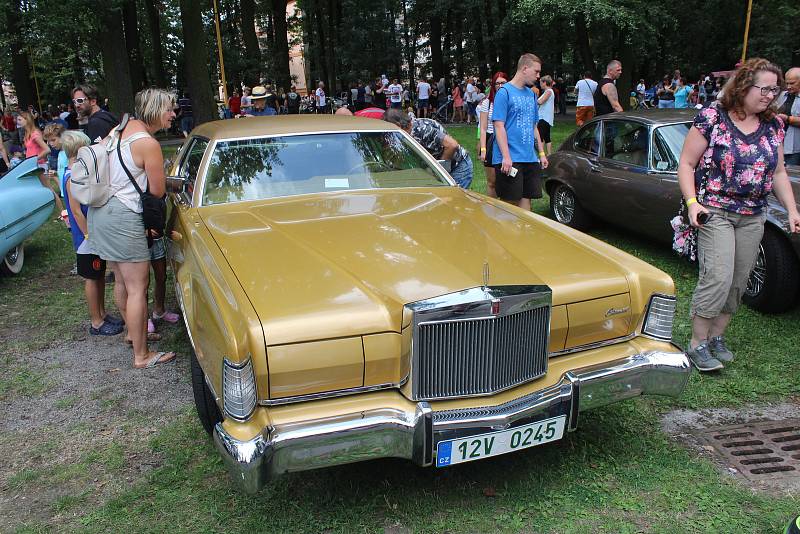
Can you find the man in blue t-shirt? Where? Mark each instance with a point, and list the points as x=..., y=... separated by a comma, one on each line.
x=515, y=115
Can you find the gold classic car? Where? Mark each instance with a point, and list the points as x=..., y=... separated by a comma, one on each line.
x=346, y=301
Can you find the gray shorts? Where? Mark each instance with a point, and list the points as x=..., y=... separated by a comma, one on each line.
x=116, y=233
x=159, y=249
x=727, y=249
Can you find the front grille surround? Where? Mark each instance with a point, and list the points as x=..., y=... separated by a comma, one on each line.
x=479, y=341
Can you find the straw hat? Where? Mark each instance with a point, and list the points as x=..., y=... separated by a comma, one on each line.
x=259, y=91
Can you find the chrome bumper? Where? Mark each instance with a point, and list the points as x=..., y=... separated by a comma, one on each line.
x=385, y=433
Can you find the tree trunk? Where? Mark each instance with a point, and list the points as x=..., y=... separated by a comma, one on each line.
x=282, y=77
x=157, y=60
x=625, y=83
x=459, y=37
x=584, y=48
x=488, y=20
x=506, y=61
x=195, y=49
x=247, y=12
x=437, y=65
x=480, y=50
x=21, y=68
x=138, y=75
x=116, y=68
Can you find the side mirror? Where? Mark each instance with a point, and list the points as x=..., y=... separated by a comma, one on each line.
x=176, y=184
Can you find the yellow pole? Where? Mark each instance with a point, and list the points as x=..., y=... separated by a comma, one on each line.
x=35, y=80
x=746, y=29
x=221, y=59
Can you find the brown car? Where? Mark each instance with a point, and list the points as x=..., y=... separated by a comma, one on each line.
x=621, y=168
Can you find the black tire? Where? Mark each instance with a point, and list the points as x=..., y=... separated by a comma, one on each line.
x=12, y=262
x=207, y=409
x=773, y=284
x=566, y=209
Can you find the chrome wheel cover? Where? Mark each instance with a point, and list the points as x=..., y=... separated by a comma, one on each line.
x=758, y=276
x=12, y=256
x=564, y=205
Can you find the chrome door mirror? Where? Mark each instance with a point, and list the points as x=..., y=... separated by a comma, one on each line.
x=176, y=184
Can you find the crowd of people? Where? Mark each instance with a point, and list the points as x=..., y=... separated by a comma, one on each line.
x=514, y=116
x=109, y=237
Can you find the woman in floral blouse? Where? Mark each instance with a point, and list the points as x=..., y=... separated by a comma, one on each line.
x=731, y=160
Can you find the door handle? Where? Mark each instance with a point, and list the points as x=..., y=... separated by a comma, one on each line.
x=594, y=168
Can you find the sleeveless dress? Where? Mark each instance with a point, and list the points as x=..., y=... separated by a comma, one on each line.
x=116, y=230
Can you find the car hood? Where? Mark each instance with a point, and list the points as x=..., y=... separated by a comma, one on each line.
x=340, y=264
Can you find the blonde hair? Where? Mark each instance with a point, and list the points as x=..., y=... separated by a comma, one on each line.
x=52, y=131
x=72, y=140
x=151, y=103
x=527, y=60
x=547, y=80
x=30, y=124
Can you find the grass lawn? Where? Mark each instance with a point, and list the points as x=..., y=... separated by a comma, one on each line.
x=617, y=473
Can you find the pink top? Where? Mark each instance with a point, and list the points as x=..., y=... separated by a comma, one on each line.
x=32, y=147
x=457, y=100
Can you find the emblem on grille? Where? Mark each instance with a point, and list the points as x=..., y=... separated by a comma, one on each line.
x=495, y=306
x=616, y=311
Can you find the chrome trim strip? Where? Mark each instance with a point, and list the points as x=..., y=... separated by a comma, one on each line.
x=200, y=191
x=49, y=204
x=414, y=433
x=328, y=394
x=595, y=345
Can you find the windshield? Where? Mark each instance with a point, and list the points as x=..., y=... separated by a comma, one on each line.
x=667, y=146
x=270, y=167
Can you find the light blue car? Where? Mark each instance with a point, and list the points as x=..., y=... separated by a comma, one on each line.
x=25, y=204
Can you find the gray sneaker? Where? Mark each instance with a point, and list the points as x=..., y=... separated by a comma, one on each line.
x=702, y=359
x=719, y=349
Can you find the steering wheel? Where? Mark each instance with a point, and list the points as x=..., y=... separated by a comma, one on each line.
x=367, y=164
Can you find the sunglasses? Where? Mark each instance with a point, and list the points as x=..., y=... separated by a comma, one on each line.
x=499, y=83
x=774, y=90
x=79, y=101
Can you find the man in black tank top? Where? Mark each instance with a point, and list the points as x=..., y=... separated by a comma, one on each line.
x=606, y=99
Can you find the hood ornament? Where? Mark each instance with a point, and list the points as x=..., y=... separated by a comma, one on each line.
x=485, y=274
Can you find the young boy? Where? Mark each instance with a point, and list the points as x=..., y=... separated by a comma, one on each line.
x=90, y=266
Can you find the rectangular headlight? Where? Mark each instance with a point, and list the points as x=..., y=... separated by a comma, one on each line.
x=660, y=317
x=239, y=395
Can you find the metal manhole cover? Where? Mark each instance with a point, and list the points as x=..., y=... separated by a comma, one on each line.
x=759, y=451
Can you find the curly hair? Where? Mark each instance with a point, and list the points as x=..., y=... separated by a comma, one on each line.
x=732, y=99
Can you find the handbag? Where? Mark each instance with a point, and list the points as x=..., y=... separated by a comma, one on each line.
x=684, y=237
x=154, y=209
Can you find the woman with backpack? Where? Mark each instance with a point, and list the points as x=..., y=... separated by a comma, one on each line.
x=117, y=229
x=35, y=146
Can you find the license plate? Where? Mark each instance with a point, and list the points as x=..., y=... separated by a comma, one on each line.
x=462, y=450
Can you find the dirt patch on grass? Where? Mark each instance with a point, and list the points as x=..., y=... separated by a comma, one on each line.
x=83, y=432
x=688, y=426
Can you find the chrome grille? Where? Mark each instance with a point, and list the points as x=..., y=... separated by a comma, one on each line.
x=483, y=354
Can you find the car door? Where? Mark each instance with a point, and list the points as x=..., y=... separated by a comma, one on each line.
x=184, y=215
x=586, y=151
x=664, y=196
x=622, y=171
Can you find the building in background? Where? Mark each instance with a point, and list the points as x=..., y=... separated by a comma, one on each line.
x=297, y=64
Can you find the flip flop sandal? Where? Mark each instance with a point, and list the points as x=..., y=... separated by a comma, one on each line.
x=157, y=359
x=167, y=316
